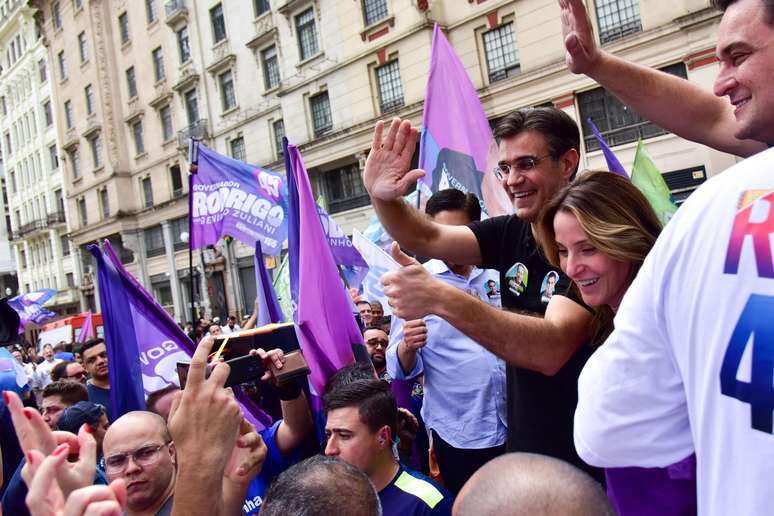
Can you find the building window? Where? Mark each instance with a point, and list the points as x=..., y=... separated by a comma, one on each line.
x=218, y=23
x=77, y=4
x=238, y=149
x=279, y=132
x=390, y=88
x=150, y=11
x=374, y=10
x=65, y=243
x=158, y=64
x=154, y=241
x=617, y=123
x=183, y=45
x=62, y=65
x=89, y=94
x=23, y=257
x=165, y=114
x=12, y=177
x=75, y=160
x=147, y=191
x=123, y=27
x=104, y=202
x=70, y=278
x=68, y=108
x=8, y=146
x=131, y=82
x=139, y=144
x=179, y=226
x=82, y=212
x=307, y=34
x=56, y=15
x=261, y=6
x=82, y=47
x=96, y=150
x=59, y=202
x=321, y=113
x=42, y=71
x=344, y=189
x=47, y=114
x=271, y=72
x=192, y=106
x=53, y=157
x=617, y=19
x=4, y=105
x=227, y=94
x=502, y=57
x=177, y=180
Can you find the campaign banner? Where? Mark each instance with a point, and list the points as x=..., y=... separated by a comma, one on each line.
x=453, y=154
x=229, y=197
x=30, y=307
x=379, y=262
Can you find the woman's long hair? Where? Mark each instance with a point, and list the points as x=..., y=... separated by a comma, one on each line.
x=617, y=220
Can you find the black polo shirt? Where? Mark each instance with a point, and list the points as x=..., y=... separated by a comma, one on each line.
x=540, y=408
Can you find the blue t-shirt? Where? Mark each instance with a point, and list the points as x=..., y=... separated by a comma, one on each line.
x=100, y=396
x=413, y=494
x=274, y=464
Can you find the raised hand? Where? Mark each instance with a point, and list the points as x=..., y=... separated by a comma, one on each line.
x=46, y=498
x=387, y=176
x=415, y=334
x=581, y=51
x=272, y=357
x=247, y=457
x=411, y=290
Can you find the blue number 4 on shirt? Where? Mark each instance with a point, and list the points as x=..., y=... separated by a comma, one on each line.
x=755, y=321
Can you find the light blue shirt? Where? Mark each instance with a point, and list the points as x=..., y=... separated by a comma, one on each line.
x=464, y=398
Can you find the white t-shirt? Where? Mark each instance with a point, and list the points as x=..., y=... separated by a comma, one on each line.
x=703, y=300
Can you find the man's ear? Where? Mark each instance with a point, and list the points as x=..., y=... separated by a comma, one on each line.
x=173, y=453
x=569, y=161
x=385, y=437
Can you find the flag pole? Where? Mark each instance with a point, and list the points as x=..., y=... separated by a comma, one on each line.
x=193, y=165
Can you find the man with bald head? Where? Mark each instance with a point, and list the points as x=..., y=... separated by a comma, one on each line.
x=530, y=484
x=139, y=449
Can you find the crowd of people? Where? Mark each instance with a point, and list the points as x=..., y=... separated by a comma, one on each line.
x=568, y=359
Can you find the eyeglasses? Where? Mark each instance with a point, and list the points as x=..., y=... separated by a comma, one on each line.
x=521, y=165
x=79, y=375
x=377, y=342
x=145, y=456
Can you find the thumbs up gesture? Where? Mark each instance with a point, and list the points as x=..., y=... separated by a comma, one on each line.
x=411, y=291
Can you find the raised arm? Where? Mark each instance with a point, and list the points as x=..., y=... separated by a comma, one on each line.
x=675, y=104
x=387, y=178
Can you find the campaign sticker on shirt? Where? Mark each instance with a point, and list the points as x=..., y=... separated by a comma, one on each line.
x=492, y=290
x=517, y=277
x=548, y=287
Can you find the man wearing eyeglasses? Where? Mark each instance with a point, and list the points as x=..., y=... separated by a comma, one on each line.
x=542, y=344
x=139, y=449
x=72, y=371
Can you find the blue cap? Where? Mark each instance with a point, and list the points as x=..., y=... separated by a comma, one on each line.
x=76, y=415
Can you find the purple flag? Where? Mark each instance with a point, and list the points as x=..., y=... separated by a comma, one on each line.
x=344, y=253
x=269, y=310
x=293, y=230
x=327, y=328
x=454, y=154
x=143, y=342
x=233, y=198
x=30, y=307
x=612, y=161
x=87, y=330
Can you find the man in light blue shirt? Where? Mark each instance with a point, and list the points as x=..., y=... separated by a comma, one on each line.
x=464, y=404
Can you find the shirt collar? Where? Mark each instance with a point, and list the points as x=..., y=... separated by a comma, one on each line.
x=438, y=267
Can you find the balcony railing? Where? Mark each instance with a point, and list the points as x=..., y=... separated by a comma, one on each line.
x=31, y=227
x=175, y=9
x=56, y=218
x=198, y=130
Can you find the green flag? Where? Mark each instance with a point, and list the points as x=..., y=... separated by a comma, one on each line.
x=650, y=182
x=282, y=288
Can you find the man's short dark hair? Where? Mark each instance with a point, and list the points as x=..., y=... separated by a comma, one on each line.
x=321, y=486
x=559, y=129
x=155, y=396
x=70, y=392
x=90, y=344
x=373, y=398
x=768, y=5
x=362, y=302
x=59, y=371
x=452, y=199
x=349, y=374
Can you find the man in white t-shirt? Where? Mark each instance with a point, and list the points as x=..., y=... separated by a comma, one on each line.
x=690, y=365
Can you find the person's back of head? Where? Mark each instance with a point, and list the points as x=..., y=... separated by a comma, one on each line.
x=349, y=374
x=529, y=484
x=452, y=199
x=322, y=486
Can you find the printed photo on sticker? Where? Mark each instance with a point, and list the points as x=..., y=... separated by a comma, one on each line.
x=517, y=277
x=548, y=287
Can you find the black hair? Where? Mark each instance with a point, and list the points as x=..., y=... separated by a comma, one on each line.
x=321, y=486
x=349, y=374
x=59, y=371
x=768, y=5
x=373, y=398
x=70, y=392
x=90, y=344
x=155, y=396
x=452, y=199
